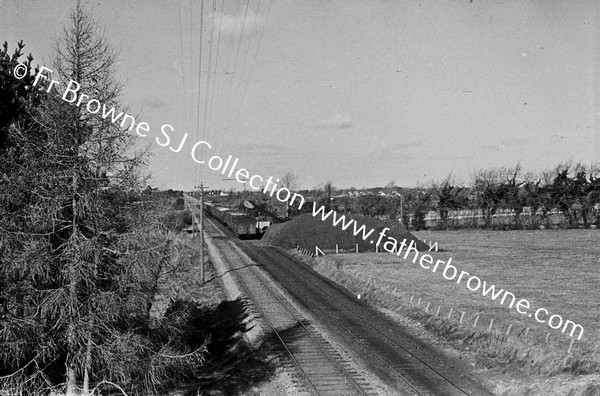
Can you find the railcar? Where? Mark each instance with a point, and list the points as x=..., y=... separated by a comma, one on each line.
x=243, y=226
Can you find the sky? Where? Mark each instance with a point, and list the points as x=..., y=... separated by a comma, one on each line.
x=359, y=92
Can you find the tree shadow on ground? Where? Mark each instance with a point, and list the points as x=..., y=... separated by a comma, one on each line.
x=233, y=366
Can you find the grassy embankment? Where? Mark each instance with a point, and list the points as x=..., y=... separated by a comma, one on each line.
x=556, y=270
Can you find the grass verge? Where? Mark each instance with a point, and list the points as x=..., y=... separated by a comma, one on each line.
x=494, y=348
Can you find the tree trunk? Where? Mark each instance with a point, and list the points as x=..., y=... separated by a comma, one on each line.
x=71, y=339
x=518, y=224
x=88, y=365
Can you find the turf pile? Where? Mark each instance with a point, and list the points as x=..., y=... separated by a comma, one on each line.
x=308, y=231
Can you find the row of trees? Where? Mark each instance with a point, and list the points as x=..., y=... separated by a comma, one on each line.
x=572, y=188
x=81, y=249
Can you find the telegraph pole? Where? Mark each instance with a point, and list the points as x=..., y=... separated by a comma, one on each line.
x=201, y=188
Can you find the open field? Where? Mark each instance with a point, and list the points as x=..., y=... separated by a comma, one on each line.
x=556, y=270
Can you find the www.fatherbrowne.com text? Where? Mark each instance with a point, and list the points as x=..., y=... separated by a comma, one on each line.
x=71, y=94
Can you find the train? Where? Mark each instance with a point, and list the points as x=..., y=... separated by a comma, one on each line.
x=245, y=227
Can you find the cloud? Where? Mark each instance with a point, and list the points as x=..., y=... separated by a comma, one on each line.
x=406, y=149
x=338, y=121
x=490, y=147
x=261, y=149
x=513, y=142
x=231, y=25
x=556, y=138
x=407, y=144
x=505, y=143
x=153, y=103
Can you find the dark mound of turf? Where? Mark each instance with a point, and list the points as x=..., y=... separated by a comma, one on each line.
x=308, y=231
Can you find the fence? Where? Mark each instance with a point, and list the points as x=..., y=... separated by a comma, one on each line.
x=474, y=320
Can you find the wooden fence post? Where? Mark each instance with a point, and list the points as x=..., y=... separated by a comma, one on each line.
x=571, y=345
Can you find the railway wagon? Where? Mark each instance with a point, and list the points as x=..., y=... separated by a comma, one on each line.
x=243, y=226
x=221, y=213
x=209, y=207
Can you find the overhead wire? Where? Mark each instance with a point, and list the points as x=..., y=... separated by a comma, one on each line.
x=230, y=73
x=226, y=131
x=185, y=106
x=190, y=121
x=212, y=98
x=245, y=92
x=208, y=77
x=227, y=68
x=200, y=75
x=220, y=113
x=252, y=30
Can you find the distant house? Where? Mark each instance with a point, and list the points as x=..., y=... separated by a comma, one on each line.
x=432, y=215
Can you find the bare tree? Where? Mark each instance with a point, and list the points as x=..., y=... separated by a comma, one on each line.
x=292, y=183
x=487, y=185
x=78, y=260
x=514, y=195
x=449, y=197
x=325, y=195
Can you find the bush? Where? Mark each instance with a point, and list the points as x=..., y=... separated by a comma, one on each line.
x=177, y=220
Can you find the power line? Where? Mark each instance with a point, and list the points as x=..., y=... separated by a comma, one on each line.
x=208, y=75
x=239, y=108
x=223, y=99
x=185, y=105
x=231, y=66
x=199, y=74
x=212, y=98
x=231, y=102
x=237, y=52
x=237, y=92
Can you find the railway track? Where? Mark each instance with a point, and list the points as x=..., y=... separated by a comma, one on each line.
x=322, y=369
x=408, y=365
x=413, y=366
